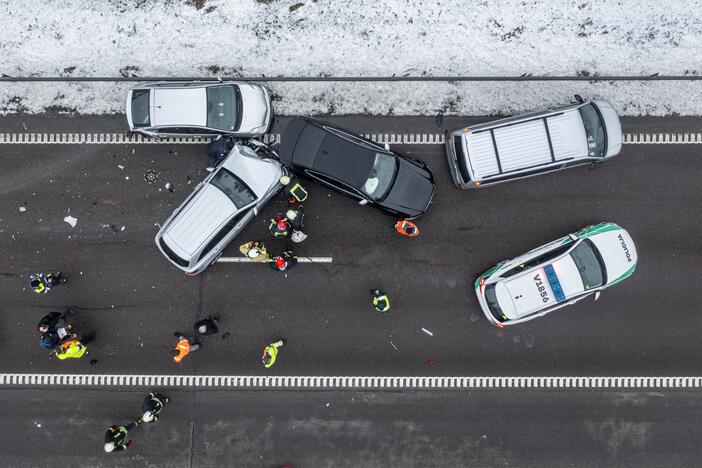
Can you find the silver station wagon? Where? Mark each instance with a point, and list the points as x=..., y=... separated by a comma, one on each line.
x=557, y=274
x=193, y=237
x=198, y=108
x=583, y=133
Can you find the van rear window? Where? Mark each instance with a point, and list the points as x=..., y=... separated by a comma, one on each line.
x=172, y=255
x=461, y=157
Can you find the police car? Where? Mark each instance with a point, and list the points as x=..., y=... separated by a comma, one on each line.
x=557, y=274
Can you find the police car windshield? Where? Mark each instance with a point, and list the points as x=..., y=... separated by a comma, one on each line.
x=587, y=260
x=237, y=191
x=493, y=305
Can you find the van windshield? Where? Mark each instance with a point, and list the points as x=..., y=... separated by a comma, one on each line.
x=594, y=131
x=237, y=191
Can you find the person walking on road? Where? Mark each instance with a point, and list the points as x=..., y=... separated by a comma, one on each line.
x=381, y=301
x=255, y=250
x=116, y=436
x=297, y=194
x=279, y=227
x=43, y=283
x=270, y=353
x=152, y=406
x=406, y=228
x=73, y=348
x=184, y=347
x=284, y=262
x=207, y=326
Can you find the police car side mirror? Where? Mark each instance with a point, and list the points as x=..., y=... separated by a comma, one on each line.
x=363, y=202
x=597, y=296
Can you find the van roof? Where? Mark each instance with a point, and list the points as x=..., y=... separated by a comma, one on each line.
x=511, y=145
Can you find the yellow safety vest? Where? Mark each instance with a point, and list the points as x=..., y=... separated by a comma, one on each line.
x=384, y=307
x=71, y=349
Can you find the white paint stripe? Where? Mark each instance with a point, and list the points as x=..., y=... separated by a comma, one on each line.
x=337, y=382
x=390, y=138
x=299, y=259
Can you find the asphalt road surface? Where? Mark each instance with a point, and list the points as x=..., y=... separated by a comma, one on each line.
x=357, y=429
x=124, y=290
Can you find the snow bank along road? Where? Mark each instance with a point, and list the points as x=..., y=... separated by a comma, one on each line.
x=358, y=38
x=122, y=288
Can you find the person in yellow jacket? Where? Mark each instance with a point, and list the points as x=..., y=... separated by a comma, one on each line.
x=73, y=349
x=270, y=353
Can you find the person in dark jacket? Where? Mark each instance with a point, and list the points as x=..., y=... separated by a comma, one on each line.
x=51, y=319
x=285, y=261
x=116, y=435
x=207, y=326
x=53, y=335
x=152, y=406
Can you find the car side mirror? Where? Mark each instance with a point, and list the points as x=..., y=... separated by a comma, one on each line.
x=255, y=211
x=573, y=237
x=597, y=296
x=387, y=146
x=363, y=201
x=592, y=165
x=579, y=99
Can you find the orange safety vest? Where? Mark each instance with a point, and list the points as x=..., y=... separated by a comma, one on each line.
x=402, y=226
x=183, y=348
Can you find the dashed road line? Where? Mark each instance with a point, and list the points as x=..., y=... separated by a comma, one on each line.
x=299, y=259
x=345, y=383
x=272, y=138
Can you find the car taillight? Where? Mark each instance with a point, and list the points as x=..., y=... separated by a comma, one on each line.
x=482, y=283
x=477, y=184
x=498, y=325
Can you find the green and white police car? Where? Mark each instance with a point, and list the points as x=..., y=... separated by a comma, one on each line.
x=557, y=274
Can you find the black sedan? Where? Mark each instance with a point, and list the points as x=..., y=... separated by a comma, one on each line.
x=357, y=167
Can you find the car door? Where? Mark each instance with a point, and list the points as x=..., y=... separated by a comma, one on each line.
x=337, y=185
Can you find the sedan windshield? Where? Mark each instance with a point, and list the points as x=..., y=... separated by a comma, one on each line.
x=594, y=131
x=233, y=187
x=380, y=177
x=222, y=107
x=140, y=108
x=587, y=261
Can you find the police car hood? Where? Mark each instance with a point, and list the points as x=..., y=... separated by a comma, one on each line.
x=618, y=253
x=540, y=287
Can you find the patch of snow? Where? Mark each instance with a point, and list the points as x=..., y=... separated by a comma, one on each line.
x=71, y=220
x=352, y=38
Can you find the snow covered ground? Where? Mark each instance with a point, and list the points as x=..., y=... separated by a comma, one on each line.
x=357, y=37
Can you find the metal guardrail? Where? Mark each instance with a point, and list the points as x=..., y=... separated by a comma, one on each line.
x=341, y=383
x=322, y=78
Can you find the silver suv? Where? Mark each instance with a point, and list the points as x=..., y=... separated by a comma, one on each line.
x=199, y=108
x=193, y=237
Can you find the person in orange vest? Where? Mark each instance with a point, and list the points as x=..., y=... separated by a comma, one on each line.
x=183, y=347
x=407, y=228
x=73, y=349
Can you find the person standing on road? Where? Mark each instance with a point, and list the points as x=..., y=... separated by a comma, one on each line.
x=152, y=406
x=73, y=349
x=297, y=194
x=270, y=353
x=207, y=326
x=381, y=301
x=279, y=227
x=255, y=250
x=51, y=319
x=296, y=217
x=285, y=261
x=116, y=435
x=184, y=347
x=406, y=228
x=43, y=283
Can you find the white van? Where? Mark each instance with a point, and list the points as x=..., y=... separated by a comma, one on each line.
x=579, y=134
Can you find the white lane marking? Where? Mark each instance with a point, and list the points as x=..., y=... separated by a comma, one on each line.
x=338, y=382
x=381, y=138
x=299, y=259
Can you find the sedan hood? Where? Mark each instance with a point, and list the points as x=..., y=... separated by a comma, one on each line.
x=256, y=109
x=412, y=191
